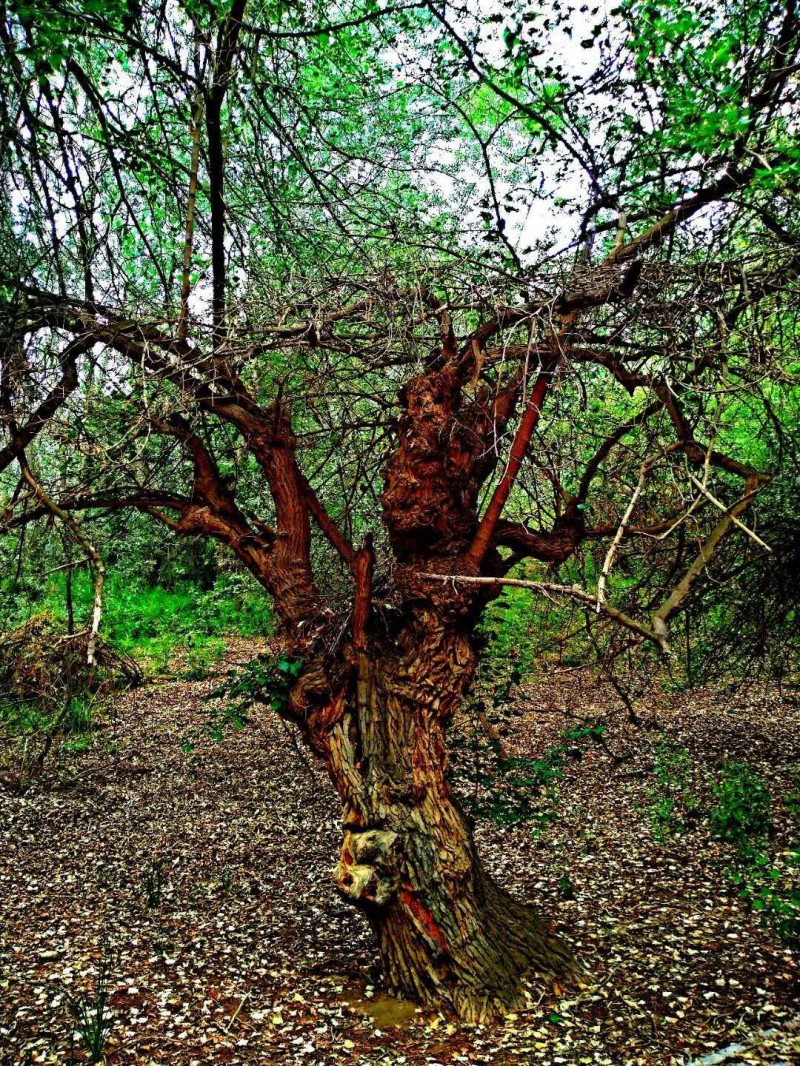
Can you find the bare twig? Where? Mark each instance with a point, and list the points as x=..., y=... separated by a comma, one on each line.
x=707, y=550
x=574, y=591
x=730, y=513
x=608, y=562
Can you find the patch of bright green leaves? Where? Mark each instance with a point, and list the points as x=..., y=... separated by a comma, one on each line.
x=742, y=816
x=672, y=802
x=266, y=680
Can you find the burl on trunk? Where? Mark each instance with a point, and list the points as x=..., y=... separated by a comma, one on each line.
x=377, y=707
x=447, y=934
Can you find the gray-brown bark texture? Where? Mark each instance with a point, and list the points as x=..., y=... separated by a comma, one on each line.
x=447, y=934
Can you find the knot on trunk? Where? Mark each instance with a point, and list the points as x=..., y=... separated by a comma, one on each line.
x=368, y=871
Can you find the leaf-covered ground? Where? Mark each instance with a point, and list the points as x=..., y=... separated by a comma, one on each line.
x=199, y=878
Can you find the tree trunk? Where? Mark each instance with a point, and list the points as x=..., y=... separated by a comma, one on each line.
x=448, y=936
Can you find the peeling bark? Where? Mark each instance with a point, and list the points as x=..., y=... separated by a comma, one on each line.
x=448, y=936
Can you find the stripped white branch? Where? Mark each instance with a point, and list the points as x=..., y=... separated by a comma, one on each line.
x=574, y=591
x=608, y=562
x=727, y=511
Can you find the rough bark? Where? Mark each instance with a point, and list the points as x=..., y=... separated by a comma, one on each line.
x=375, y=703
x=448, y=935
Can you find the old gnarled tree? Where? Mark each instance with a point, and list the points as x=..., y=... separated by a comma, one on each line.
x=378, y=412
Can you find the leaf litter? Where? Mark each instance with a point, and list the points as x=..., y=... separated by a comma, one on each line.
x=196, y=875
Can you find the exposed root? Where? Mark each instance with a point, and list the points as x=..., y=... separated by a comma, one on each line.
x=482, y=975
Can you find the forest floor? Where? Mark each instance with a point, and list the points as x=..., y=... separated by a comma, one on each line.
x=195, y=873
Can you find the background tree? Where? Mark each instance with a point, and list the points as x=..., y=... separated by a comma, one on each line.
x=389, y=306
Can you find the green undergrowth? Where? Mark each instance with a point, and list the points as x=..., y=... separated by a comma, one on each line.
x=74, y=720
x=767, y=877
x=266, y=681
x=158, y=626
x=515, y=790
x=36, y=735
x=673, y=803
x=741, y=811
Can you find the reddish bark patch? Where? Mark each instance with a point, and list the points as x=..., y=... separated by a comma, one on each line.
x=423, y=916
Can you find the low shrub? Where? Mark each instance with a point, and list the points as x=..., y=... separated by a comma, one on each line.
x=742, y=812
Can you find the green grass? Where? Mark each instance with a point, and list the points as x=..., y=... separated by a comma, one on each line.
x=154, y=624
x=75, y=718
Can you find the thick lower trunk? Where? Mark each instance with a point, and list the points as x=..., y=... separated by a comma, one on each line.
x=448, y=935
